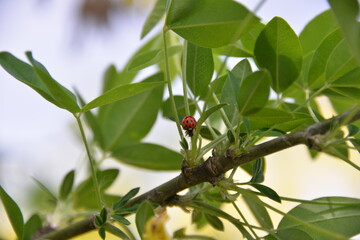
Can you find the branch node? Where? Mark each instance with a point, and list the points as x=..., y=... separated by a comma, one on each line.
x=315, y=142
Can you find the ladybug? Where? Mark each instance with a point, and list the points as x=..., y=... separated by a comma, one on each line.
x=189, y=124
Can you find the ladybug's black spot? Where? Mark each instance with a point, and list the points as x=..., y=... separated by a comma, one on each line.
x=187, y=121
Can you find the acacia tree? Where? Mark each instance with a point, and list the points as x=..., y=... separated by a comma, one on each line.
x=234, y=113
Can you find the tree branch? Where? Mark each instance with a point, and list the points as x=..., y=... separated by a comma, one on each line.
x=215, y=166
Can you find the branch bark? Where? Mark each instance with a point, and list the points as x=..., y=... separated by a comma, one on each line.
x=215, y=166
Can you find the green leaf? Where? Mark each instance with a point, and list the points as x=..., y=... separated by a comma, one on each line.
x=209, y=23
x=83, y=195
x=180, y=234
x=248, y=40
x=155, y=16
x=353, y=130
x=300, y=121
x=26, y=74
x=244, y=47
x=98, y=221
x=205, y=133
x=120, y=92
x=125, y=198
x=234, y=49
x=92, y=122
x=317, y=30
x=32, y=225
x=149, y=156
x=349, y=80
x=268, y=117
x=215, y=222
x=13, y=212
x=316, y=75
x=103, y=215
x=208, y=112
x=102, y=233
x=46, y=190
x=293, y=234
x=231, y=87
x=67, y=185
x=267, y=191
x=254, y=92
x=63, y=96
x=278, y=49
x=340, y=61
x=129, y=120
x=184, y=144
x=356, y=144
x=209, y=209
x=334, y=218
x=346, y=13
x=258, y=171
x=110, y=76
x=180, y=106
x=143, y=214
x=199, y=69
x=116, y=231
x=113, y=78
x=127, y=210
x=120, y=219
x=151, y=57
x=259, y=211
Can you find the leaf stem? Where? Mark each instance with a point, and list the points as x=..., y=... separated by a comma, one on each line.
x=308, y=104
x=245, y=221
x=207, y=123
x=171, y=95
x=209, y=146
x=99, y=197
x=186, y=102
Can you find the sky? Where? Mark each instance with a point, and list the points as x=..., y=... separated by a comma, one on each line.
x=40, y=140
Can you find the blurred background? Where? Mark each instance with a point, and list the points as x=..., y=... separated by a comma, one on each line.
x=76, y=41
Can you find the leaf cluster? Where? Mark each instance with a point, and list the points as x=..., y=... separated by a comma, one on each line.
x=272, y=90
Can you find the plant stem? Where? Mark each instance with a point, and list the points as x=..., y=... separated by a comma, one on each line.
x=171, y=95
x=186, y=102
x=207, y=123
x=308, y=104
x=99, y=198
x=245, y=221
x=210, y=145
x=223, y=115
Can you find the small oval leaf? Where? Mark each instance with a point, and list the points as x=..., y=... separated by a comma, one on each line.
x=62, y=95
x=254, y=92
x=67, y=185
x=267, y=191
x=199, y=69
x=278, y=49
x=149, y=156
x=120, y=92
x=151, y=57
x=224, y=22
x=143, y=214
x=13, y=212
x=337, y=217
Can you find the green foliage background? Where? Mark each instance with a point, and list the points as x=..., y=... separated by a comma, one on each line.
x=234, y=109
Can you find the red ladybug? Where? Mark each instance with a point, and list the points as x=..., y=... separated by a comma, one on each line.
x=189, y=124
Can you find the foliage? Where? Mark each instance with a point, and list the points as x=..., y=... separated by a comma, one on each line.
x=236, y=110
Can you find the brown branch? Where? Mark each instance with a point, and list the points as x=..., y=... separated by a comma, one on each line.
x=74, y=229
x=215, y=166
